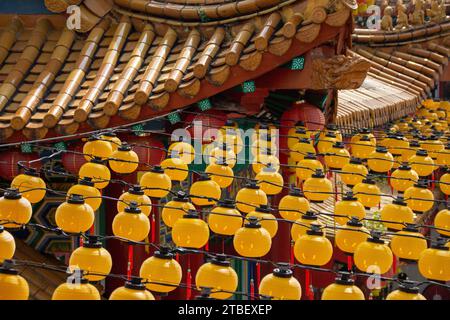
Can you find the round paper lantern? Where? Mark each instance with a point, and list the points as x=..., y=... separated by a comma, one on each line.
x=361, y=133
x=207, y=123
x=296, y=133
x=85, y=188
x=97, y=172
x=349, y=237
x=219, y=276
x=263, y=159
x=343, y=289
x=176, y=209
x=184, y=150
x=92, y=258
x=331, y=128
x=205, y=191
x=162, y=272
x=250, y=197
x=74, y=215
x=149, y=150
x=81, y=290
x=220, y=173
x=337, y=157
x=373, y=256
x=397, y=212
x=133, y=290
x=156, y=183
x=7, y=245
x=380, y=160
x=30, y=185
x=175, y=168
x=403, y=178
x=136, y=194
x=363, y=148
x=252, y=240
x=232, y=138
x=266, y=219
x=443, y=157
x=433, y=146
x=281, y=285
x=304, y=223
x=190, y=231
x=9, y=160
x=73, y=159
x=131, y=224
x=422, y=163
x=225, y=219
x=326, y=142
x=444, y=183
x=125, y=160
x=442, y=221
x=293, y=205
x=306, y=167
x=313, y=248
x=97, y=148
x=302, y=148
x=367, y=192
x=114, y=141
x=434, y=262
x=13, y=286
x=263, y=142
x=408, y=244
x=223, y=152
x=405, y=292
x=419, y=198
x=14, y=209
x=270, y=181
x=318, y=188
x=348, y=207
x=353, y=172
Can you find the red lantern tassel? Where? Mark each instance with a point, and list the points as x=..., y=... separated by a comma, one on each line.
x=252, y=289
x=307, y=281
x=130, y=261
x=394, y=264
x=258, y=274
x=432, y=181
x=153, y=227
x=292, y=253
x=349, y=263
x=188, y=278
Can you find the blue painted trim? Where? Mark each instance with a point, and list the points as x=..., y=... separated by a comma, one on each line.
x=23, y=7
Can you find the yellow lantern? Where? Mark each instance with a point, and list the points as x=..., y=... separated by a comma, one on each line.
x=14, y=209
x=74, y=215
x=348, y=207
x=162, y=272
x=13, y=286
x=419, y=198
x=266, y=219
x=97, y=148
x=326, y=143
x=434, y=262
x=317, y=188
x=176, y=209
x=114, y=141
x=398, y=145
x=281, y=285
x=85, y=188
x=175, y=168
x=343, y=289
x=223, y=151
x=331, y=128
x=349, y=237
x=190, y=231
x=337, y=157
x=422, y=163
x=204, y=191
x=293, y=205
x=443, y=157
x=131, y=224
x=7, y=245
x=91, y=258
x=124, y=160
x=398, y=213
x=442, y=221
x=81, y=290
x=30, y=185
x=232, y=138
x=373, y=255
x=219, y=276
x=185, y=151
x=136, y=194
x=264, y=142
x=225, y=219
x=156, y=183
x=380, y=160
x=433, y=145
x=353, y=172
x=250, y=197
x=307, y=166
x=313, y=248
x=302, y=148
x=252, y=240
x=363, y=148
x=408, y=244
x=361, y=133
x=405, y=291
x=295, y=133
x=403, y=178
x=303, y=224
x=262, y=160
x=132, y=290
x=220, y=173
x=411, y=152
x=444, y=182
x=367, y=192
x=270, y=181
x=97, y=172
